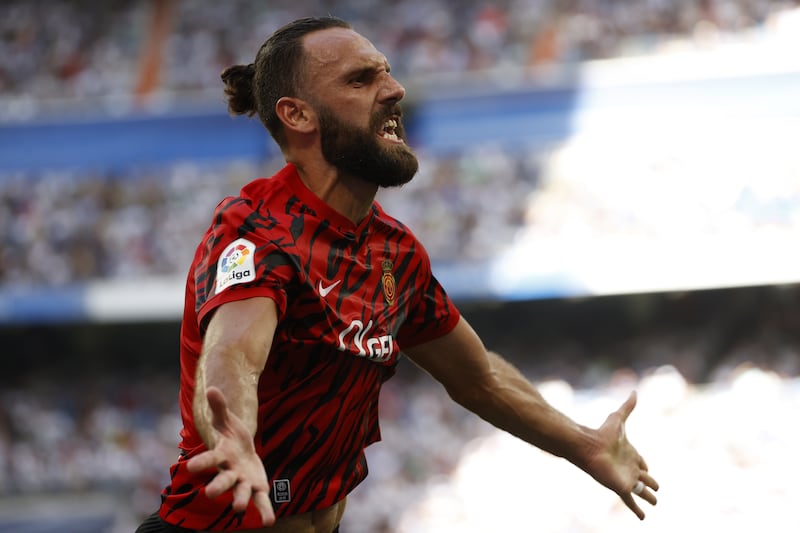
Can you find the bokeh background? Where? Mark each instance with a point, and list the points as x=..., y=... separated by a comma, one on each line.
x=610, y=191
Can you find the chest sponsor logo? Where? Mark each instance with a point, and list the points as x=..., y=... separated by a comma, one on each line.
x=236, y=264
x=354, y=338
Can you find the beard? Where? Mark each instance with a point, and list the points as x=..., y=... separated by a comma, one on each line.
x=359, y=152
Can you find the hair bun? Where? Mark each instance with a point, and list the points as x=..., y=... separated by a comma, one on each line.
x=238, y=81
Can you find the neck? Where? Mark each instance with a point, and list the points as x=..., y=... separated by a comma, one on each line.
x=348, y=195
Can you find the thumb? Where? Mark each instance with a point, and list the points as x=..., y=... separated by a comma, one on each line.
x=627, y=407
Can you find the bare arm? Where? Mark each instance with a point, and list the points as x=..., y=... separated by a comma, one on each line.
x=235, y=350
x=495, y=390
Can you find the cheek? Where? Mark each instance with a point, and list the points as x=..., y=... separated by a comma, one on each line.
x=359, y=113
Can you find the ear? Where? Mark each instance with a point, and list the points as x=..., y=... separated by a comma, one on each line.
x=296, y=114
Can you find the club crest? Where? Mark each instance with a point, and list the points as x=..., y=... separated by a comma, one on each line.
x=389, y=285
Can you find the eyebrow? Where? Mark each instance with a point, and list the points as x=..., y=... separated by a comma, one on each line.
x=369, y=70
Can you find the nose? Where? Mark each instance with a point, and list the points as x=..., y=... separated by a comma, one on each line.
x=392, y=91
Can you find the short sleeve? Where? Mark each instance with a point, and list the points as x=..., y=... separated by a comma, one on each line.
x=240, y=258
x=431, y=314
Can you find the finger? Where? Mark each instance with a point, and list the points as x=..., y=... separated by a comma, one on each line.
x=648, y=496
x=222, y=482
x=649, y=480
x=631, y=504
x=204, y=461
x=643, y=487
x=643, y=464
x=241, y=495
x=627, y=407
x=264, y=506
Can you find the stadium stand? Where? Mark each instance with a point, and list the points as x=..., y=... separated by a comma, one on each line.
x=87, y=414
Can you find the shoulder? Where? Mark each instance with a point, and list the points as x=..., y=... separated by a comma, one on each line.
x=389, y=222
x=259, y=205
x=398, y=232
x=256, y=194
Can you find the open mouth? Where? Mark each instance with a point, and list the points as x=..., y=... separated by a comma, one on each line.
x=389, y=130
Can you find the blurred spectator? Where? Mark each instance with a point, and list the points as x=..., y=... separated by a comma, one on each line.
x=115, y=435
x=78, y=49
x=69, y=48
x=737, y=371
x=60, y=227
x=64, y=226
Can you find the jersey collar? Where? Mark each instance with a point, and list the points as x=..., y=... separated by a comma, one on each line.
x=292, y=179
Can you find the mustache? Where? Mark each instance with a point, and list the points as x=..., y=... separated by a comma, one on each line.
x=396, y=110
x=393, y=111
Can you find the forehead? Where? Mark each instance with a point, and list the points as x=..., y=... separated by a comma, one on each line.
x=336, y=50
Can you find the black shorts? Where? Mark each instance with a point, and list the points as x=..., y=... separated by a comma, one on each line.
x=154, y=524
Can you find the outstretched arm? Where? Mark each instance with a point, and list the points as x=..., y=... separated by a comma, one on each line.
x=495, y=390
x=235, y=350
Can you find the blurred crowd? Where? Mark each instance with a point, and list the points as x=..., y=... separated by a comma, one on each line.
x=735, y=431
x=58, y=227
x=438, y=468
x=61, y=226
x=717, y=396
x=84, y=49
x=69, y=226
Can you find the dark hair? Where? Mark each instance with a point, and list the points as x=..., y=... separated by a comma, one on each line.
x=257, y=87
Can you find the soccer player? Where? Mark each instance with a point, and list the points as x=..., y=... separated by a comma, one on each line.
x=301, y=297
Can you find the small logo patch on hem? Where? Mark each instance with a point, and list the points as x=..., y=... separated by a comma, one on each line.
x=236, y=264
x=281, y=491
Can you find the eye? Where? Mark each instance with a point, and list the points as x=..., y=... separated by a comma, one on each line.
x=361, y=78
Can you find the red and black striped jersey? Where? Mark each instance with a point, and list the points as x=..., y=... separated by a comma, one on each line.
x=350, y=297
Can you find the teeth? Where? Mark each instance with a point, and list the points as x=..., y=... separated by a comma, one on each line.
x=389, y=128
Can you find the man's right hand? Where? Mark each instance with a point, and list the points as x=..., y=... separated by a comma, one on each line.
x=234, y=455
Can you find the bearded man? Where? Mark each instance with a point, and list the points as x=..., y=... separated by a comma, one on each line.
x=303, y=294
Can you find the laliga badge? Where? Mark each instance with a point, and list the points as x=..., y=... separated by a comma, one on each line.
x=236, y=264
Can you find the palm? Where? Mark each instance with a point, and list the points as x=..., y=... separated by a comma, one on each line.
x=234, y=455
x=617, y=465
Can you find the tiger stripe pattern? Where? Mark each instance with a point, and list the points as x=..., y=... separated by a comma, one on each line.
x=350, y=297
